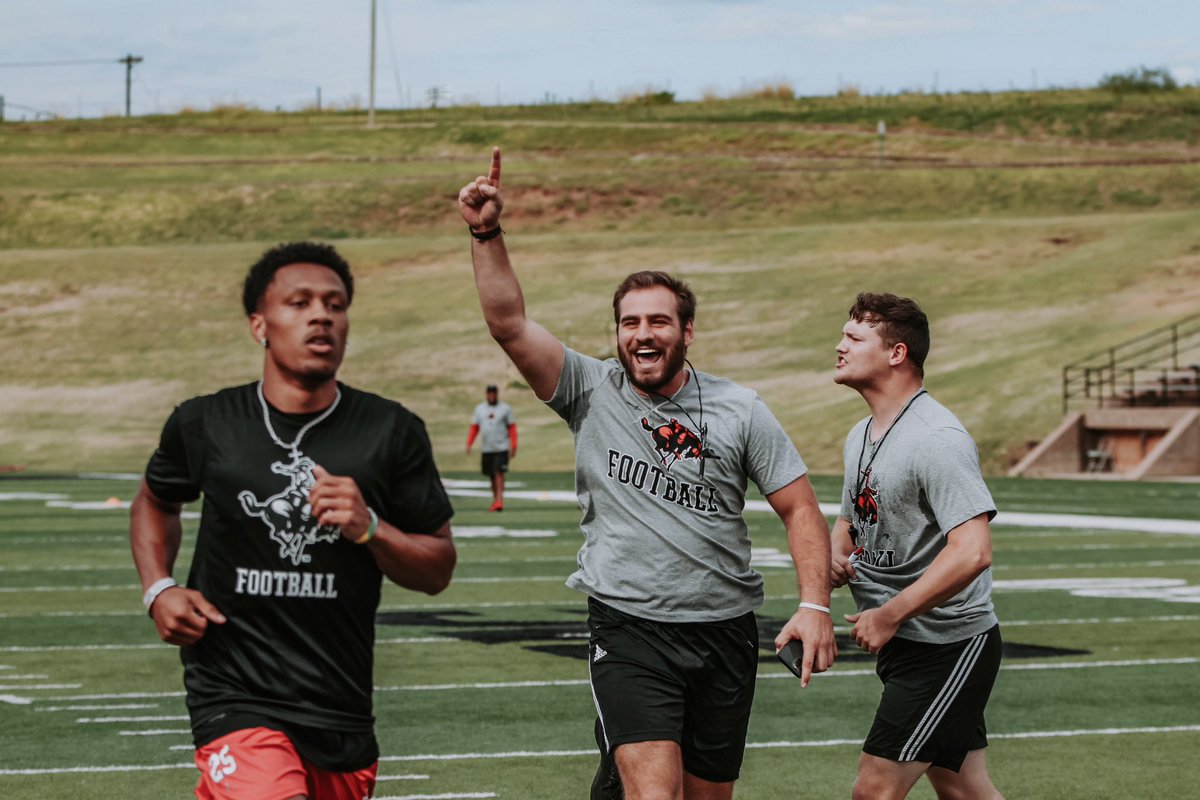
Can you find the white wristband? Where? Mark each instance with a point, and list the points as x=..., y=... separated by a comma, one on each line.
x=157, y=588
x=815, y=607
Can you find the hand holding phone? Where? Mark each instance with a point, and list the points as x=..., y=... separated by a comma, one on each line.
x=792, y=656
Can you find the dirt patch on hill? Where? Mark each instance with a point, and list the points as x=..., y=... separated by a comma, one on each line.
x=130, y=399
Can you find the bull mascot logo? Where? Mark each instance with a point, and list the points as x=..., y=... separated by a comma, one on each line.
x=288, y=514
x=674, y=441
x=866, y=505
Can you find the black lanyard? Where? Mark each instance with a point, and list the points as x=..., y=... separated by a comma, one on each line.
x=860, y=480
x=701, y=430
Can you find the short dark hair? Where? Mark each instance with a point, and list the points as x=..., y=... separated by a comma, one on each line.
x=283, y=255
x=648, y=279
x=900, y=319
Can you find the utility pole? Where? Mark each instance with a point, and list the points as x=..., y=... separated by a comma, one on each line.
x=371, y=105
x=129, y=61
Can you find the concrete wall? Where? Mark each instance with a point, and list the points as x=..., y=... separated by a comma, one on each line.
x=1178, y=454
x=1060, y=452
x=1143, y=443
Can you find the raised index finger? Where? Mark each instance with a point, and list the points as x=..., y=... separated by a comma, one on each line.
x=494, y=172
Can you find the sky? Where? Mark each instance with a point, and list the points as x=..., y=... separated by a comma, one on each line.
x=291, y=54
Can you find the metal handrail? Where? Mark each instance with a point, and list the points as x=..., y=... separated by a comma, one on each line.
x=1174, y=333
x=1100, y=372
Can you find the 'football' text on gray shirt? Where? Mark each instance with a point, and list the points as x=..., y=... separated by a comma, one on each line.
x=923, y=482
x=493, y=422
x=661, y=541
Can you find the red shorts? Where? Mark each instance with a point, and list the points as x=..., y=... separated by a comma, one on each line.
x=262, y=764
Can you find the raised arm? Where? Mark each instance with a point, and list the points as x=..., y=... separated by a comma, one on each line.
x=532, y=348
x=808, y=541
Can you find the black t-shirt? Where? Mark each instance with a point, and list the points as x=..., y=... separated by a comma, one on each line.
x=300, y=600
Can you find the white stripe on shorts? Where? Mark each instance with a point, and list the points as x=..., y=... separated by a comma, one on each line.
x=596, y=700
x=941, y=703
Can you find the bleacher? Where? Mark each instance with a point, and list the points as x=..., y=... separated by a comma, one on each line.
x=1159, y=368
x=1129, y=412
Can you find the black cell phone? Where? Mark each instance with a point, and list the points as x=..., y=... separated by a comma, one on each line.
x=792, y=656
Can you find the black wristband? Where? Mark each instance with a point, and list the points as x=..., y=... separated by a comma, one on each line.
x=483, y=237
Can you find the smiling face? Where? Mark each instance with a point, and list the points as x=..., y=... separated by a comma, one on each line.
x=863, y=358
x=651, y=343
x=303, y=316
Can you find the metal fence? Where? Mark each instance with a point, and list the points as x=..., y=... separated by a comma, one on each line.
x=1159, y=368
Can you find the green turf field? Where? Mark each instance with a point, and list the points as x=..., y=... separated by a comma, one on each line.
x=481, y=691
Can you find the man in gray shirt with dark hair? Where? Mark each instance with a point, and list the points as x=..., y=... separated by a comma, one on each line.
x=663, y=454
x=494, y=420
x=914, y=544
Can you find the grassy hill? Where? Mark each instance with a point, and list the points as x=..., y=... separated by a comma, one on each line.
x=1034, y=227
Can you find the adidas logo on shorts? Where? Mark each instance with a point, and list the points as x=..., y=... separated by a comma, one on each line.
x=600, y=653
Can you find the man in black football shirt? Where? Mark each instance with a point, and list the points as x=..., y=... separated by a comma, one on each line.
x=312, y=492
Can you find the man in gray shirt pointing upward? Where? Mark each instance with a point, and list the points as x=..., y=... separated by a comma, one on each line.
x=662, y=458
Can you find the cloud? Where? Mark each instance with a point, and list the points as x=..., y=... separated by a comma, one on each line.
x=1184, y=74
x=757, y=20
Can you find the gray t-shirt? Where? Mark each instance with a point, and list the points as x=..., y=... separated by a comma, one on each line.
x=493, y=422
x=923, y=481
x=661, y=541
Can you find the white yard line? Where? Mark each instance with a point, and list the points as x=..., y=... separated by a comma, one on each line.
x=580, y=634
x=95, y=770
x=571, y=682
x=53, y=648
x=107, y=720
x=1014, y=623
x=833, y=673
x=1020, y=519
x=514, y=754
x=111, y=587
x=65, y=568
x=764, y=557
x=109, y=707
x=796, y=744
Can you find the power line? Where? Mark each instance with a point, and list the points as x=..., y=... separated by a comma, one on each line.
x=129, y=60
x=37, y=112
x=61, y=63
x=387, y=32
x=371, y=105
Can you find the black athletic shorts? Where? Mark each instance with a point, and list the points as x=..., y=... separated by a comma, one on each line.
x=933, y=699
x=690, y=682
x=494, y=462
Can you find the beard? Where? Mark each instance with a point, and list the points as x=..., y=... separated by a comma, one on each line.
x=312, y=374
x=672, y=362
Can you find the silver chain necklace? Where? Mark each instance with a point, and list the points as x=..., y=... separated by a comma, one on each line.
x=294, y=447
